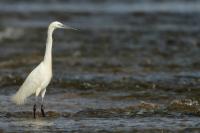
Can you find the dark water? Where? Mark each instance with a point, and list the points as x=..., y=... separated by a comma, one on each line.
x=134, y=66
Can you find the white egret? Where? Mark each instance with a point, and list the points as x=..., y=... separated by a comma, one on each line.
x=38, y=80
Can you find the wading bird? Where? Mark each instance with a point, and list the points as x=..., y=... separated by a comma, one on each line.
x=38, y=80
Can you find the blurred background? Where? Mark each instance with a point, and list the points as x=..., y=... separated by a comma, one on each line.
x=134, y=65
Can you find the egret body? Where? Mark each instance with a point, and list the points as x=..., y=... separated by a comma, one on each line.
x=38, y=80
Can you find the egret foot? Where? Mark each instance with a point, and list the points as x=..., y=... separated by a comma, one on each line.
x=42, y=110
x=34, y=111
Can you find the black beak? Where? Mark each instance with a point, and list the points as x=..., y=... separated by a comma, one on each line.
x=68, y=27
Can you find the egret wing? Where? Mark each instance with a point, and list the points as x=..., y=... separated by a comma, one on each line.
x=30, y=85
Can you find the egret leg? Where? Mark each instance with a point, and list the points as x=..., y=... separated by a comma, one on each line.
x=34, y=108
x=42, y=110
x=35, y=105
x=34, y=111
x=42, y=106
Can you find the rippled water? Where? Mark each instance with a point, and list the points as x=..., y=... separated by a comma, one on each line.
x=134, y=66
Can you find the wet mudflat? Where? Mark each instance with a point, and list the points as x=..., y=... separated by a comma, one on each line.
x=134, y=66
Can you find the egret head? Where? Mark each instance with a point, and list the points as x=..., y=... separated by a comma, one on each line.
x=57, y=24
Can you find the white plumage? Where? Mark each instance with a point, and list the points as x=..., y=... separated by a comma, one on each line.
x=36, y=82
x=40, y=77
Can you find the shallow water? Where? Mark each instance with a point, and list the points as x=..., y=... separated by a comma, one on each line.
x=132, y=67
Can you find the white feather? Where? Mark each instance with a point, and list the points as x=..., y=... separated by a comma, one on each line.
x=39, y=78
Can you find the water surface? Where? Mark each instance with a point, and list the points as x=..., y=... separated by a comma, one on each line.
x=132, y=67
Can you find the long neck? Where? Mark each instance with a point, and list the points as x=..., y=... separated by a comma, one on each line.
x=48, y=52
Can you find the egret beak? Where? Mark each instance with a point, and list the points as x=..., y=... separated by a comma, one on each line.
x=68, y=27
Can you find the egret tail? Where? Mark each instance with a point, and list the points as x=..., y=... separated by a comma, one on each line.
x=21, y=95
x=18, y=99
